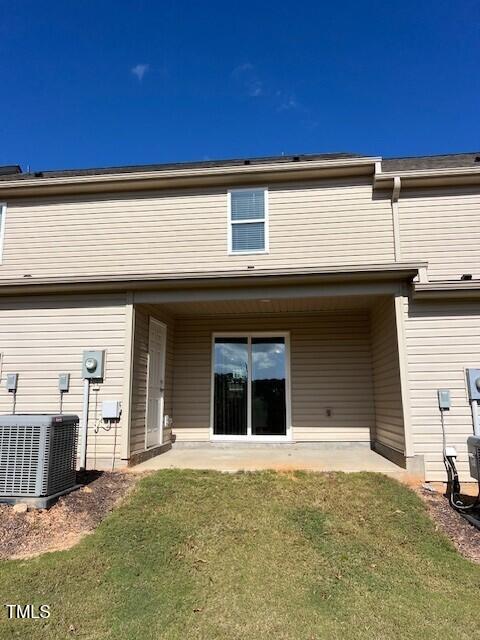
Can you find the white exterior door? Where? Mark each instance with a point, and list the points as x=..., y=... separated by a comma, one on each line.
x=157, y=340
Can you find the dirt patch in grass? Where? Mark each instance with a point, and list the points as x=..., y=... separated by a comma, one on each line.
x=464, y=536
x=76, y=514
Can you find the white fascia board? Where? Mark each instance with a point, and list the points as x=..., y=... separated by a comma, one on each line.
x=454, y=172
x=133, y=176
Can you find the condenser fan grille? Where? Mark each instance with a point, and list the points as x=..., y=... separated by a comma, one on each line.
x=19, y=458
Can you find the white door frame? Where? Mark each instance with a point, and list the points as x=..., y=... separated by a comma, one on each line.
x=249, y=335
x=161, y=411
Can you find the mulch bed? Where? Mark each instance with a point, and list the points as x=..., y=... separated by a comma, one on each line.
x=76, y=514
x=464, y=536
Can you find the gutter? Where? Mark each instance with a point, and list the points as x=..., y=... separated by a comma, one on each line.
x=145, y=179
x=419, y=177
x=260, y=277
x=447, y=289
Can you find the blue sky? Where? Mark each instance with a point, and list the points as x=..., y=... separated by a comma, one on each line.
x=112, y=82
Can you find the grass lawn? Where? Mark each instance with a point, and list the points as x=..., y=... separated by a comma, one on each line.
x=252, y=556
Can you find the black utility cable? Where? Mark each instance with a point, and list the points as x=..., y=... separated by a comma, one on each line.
x=453, y=484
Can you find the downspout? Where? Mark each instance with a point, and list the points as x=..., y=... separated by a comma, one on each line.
x=397, y=249
x=397, y=185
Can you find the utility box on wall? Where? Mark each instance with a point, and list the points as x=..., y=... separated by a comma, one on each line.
x=473, y=379
x=64, y=382
x=93, y=365
x=111, y=409
x=11, y=381
x=473, y=444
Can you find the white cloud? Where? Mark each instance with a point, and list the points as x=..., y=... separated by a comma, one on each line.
x=252, y=84
x=288, y=103
x=140, y=70
x=254, y=88
x=242, y=68
x=246, y=75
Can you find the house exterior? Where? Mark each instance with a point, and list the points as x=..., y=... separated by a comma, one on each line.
x=320, y=298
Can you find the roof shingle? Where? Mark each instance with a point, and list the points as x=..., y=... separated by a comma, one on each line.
x=420, y=163
x=205, y=164
x=413, y=163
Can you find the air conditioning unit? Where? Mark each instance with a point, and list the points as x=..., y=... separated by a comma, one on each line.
x=38, y=455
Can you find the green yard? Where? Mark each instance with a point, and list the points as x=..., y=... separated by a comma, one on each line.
x=209, y=555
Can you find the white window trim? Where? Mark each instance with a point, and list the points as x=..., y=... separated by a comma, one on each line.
x=288, y=437
x=3, y=210
x=265, y=221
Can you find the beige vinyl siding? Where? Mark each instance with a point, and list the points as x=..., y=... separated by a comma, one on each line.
x=140, y=367
x=327, y=351
x=324, y=223
x=389, y=428
x=41, y=337
x=443, y=339
x=442, y=227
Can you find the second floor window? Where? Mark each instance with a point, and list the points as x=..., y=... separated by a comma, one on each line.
x=248, y=230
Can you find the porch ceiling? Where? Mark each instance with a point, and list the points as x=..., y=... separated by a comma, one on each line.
x=269, y=305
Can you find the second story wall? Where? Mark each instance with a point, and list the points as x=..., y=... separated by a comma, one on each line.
x=317, y=224
x=442, y=226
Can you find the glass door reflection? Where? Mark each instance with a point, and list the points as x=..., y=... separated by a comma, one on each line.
x=250, y=390
x=268, y=387
x=230, y=386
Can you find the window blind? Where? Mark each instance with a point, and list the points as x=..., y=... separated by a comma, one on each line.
x=247, y=219
x=248, y=205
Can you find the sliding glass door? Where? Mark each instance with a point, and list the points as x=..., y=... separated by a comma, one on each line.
x=268, y=380
x=250, y=386
x=231, y=386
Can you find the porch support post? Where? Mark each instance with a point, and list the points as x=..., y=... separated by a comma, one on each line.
x=403, y=366
x=127, y=377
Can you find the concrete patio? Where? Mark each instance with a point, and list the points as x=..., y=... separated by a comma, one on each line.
x=254, y=457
